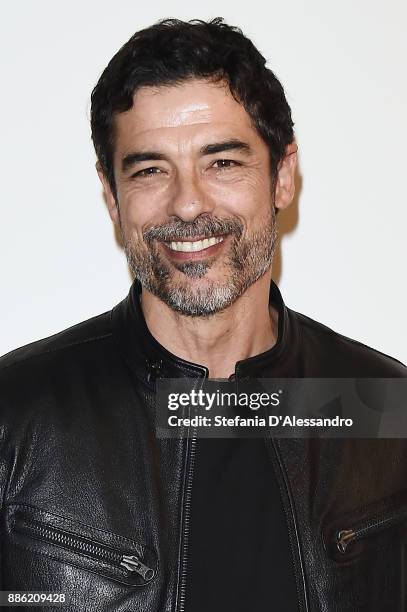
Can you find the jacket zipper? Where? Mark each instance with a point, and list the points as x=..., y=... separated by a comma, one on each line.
x=293, y=535
x=186, y=522
x=190, y=463
x=78, y=544
x=346, y=537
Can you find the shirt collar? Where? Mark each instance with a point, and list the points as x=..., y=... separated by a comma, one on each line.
x=150, y=360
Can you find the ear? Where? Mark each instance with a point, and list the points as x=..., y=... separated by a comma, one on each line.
x=110, y=199
x=285, y=185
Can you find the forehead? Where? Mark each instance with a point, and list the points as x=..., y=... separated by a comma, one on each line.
x=194, y=106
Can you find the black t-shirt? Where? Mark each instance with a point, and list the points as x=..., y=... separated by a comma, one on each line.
x=239, y=557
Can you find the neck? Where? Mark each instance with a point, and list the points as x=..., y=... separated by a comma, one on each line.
x=246, y=328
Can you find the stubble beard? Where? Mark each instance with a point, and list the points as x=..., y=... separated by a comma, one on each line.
x=249, y=258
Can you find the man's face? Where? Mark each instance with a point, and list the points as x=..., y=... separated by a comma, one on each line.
x=195, y=196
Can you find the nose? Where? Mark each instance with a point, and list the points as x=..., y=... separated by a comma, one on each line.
x=189, y=198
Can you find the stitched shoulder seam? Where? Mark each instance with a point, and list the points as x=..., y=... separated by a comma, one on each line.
x=327, y=330
x=55, y=349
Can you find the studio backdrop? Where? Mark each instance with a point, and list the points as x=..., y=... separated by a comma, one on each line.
x=342, y=252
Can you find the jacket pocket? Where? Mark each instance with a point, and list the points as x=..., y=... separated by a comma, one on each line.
x=372, y=526
x=102, y=552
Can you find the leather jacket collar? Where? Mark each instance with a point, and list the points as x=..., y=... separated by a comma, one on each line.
x=150, y=360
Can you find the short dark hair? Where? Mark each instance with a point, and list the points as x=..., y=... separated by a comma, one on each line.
x=172, y=51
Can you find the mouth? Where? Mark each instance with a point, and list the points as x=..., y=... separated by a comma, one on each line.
x=194, y=249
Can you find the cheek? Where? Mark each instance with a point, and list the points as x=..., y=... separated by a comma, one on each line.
x=247, y=198
x=139, y=212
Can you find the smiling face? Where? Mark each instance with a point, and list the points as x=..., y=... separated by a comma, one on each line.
x=195, y=199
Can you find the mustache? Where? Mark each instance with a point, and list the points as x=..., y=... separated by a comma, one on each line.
x=203, y=226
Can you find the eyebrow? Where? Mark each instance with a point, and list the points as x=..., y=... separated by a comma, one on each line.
x=208, y=149
x=225, y=145
x=140, y=156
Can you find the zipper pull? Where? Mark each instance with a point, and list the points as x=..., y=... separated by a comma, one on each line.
x=343, y=539
x=133, y=564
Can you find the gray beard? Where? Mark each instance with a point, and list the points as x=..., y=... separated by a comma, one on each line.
x=249, y=259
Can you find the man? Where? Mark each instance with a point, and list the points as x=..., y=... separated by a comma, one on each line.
x=196, y=155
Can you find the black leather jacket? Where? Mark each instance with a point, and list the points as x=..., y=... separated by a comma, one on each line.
x=96, y=507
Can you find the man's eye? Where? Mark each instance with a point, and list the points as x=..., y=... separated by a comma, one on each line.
x=225, y=163
x=146, y=172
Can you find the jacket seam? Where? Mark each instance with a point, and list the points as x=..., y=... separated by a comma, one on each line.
x=291, y=521
x=327, y=330
x=54, y=350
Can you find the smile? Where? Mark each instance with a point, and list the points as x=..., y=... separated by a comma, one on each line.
x=193, y=246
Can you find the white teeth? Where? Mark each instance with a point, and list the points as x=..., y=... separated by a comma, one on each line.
x=197, y=245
